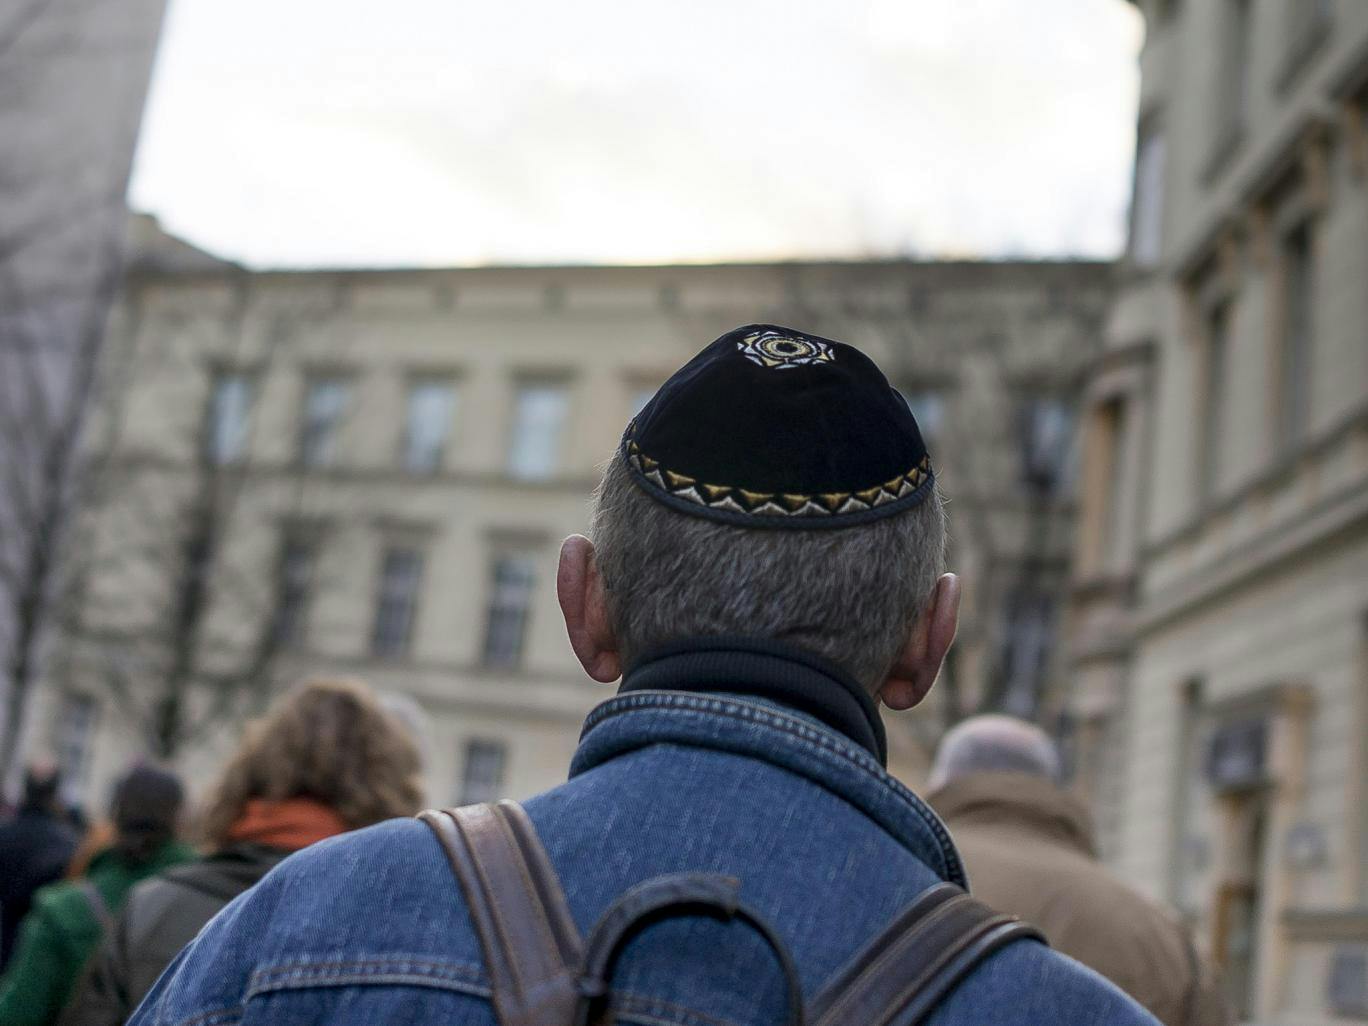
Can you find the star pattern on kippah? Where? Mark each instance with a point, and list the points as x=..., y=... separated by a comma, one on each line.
x=783, y=352
x=775, y=504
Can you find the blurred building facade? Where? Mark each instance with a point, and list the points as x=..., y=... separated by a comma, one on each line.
x=369, y=473
x=1219, y=615
x=73, y=78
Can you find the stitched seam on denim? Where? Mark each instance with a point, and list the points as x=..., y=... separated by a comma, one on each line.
x=395, y=979
x=456, y=976
x=630, y=1003
x=217, y=1017
x=746, y=711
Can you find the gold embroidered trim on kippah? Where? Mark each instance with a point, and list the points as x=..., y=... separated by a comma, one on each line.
x=785, y=504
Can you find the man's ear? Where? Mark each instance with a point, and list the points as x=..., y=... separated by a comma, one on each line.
x=585, y=608
x=920, y=660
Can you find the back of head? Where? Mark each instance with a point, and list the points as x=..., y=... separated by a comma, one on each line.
x=145, y=809
x=42, y=786
x=330, y=741
x=850, y=596
x=995, y=744
x=827, y=531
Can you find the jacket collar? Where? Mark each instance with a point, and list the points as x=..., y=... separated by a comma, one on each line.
x=769, y=671
x=768, y=731
x=1020, y=802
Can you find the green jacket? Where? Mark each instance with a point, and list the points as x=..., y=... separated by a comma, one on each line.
x=62, y=931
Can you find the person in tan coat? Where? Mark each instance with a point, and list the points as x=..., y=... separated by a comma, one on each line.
x=1028, y=847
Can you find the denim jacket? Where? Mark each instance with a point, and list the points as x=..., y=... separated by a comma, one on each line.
x=370, y=927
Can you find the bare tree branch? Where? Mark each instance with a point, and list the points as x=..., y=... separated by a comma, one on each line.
x=19, y=24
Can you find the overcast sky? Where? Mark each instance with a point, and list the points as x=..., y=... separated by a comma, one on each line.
x=353, y=132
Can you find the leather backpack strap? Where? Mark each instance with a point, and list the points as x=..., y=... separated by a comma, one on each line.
x=531, y=947
x=900, y=976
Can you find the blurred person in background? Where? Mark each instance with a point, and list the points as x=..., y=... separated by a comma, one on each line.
x=1029, y=849
x=96, y=836
x=35, y=848
x=68, y=919
x=756, y=620
x=327, y=758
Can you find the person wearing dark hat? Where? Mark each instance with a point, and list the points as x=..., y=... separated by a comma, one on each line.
x=764, y=571
x=68, y=919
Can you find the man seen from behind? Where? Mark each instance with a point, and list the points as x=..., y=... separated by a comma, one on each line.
x=765, y=569
x=1029, y=849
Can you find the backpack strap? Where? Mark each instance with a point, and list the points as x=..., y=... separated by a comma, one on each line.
x=531, y=947
x=97, y=905
x=901, y=975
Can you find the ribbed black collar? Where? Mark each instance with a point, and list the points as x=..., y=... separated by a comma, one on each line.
x=769, y=670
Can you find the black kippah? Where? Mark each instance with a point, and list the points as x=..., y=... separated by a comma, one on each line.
x=771, y=427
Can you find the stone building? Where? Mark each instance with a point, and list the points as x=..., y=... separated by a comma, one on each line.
x=1219, y=616
x=73, y=78
x=370, y=472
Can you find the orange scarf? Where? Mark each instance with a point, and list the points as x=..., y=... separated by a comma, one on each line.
x=290, y=823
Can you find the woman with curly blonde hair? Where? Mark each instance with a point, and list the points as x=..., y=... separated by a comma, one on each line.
x=326, y=758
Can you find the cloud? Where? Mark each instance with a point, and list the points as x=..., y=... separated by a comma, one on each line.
x=444, y=131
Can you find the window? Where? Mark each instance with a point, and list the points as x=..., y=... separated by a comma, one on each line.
x=401, y=575
x=1211, y=399
x=1188, y=786
x=510, y=603
x=1240, y=900
x=1232, y=98
x=1027, y=631
x=294, y=584
x=928, y=407
x=1046, y=437
x=1297, y=339
x=1112, y=423
x=75, y=730
x=325, y=404
x=1358, y=794
x=431, y=404
x=483, y=773
x=1147, y=198
x=1101, y=524
x=538, y=422
x=230, y=411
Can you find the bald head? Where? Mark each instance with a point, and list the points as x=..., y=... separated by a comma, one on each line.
x=994, y=744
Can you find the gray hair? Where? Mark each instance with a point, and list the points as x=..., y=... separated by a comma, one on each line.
x=994, y=744
x=850, y=595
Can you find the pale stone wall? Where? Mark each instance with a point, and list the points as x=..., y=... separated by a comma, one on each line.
x=986, y=336
x=1247, y=598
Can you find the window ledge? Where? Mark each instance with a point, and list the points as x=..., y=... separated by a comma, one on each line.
x=1117, y=586
x=1327, y=925
x=1272, y=479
